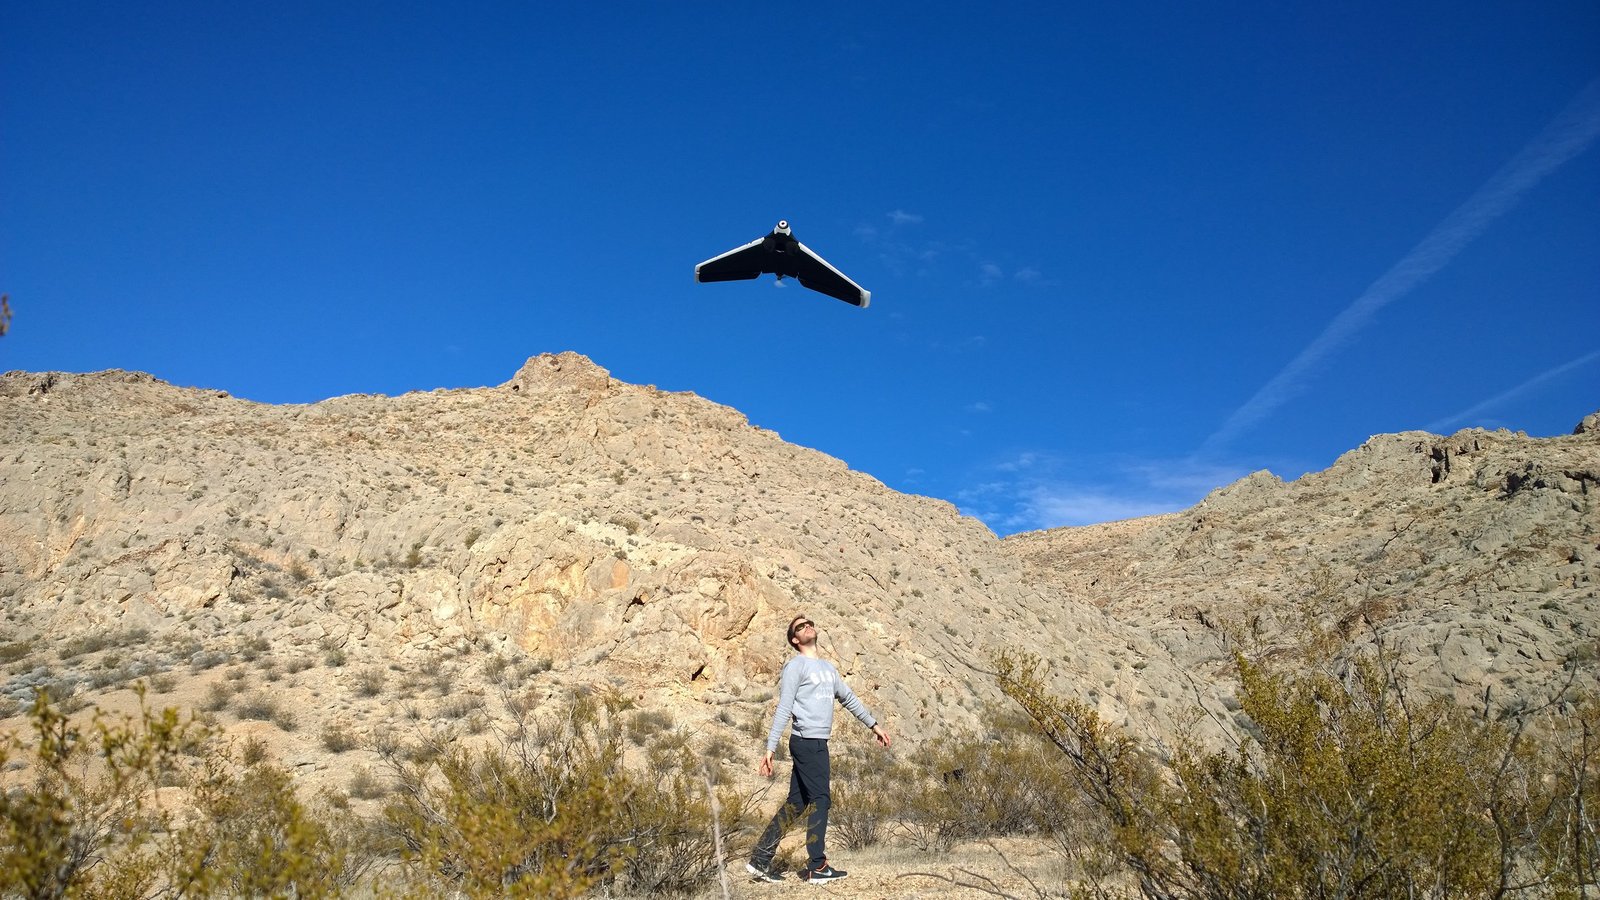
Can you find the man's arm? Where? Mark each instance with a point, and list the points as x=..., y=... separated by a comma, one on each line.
x=788, y=689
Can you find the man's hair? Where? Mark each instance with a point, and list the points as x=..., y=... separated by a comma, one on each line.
x=790, y=639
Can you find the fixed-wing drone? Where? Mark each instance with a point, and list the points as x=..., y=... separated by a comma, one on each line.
x=780, y=254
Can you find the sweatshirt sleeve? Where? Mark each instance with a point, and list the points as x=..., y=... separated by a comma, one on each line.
x=853, y=703
x=788, y=687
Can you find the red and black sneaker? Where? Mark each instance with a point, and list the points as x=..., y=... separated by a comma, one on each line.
x=822, y=873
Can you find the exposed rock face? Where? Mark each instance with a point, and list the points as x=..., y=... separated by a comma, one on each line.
x=1476, y=557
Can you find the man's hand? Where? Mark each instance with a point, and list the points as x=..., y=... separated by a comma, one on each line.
x=881, y=735
x=766, y=765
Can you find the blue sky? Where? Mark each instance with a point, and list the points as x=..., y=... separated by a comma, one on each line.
x=1120, y=254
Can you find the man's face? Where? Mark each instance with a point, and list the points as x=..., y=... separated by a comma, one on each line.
x=804, y=631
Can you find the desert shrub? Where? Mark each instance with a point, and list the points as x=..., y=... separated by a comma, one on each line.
x=78, y=821
x=1345, y=787
x=83, y=819
x=647, y=723
x=496, y=668
x=266, y=708
x=252, y=648
x=1569, y=850
x=673, y=799
x=13, y=651
x=337, y=738
x=869, y=798
x=551, y=812
x=82, y=644
x=253, y=751
x=459, y=707
x=370, y=682
x=263, y=707
x=251, y=836
x=1002, y=780
x=201, y=661
x=366, y=786
x=218, y=697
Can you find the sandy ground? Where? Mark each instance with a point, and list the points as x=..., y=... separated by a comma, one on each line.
x=1014, y=868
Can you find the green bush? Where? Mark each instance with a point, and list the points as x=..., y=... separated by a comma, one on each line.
x=1346, y=787
x=253, y=837
x=552, y=812
x=337, y=738
x=648, y=723
x=1001, y=780
x=869, y=799
x=84, y=822
x=67, y=831
x=15, y=650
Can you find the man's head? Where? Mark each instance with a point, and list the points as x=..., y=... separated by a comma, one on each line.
x=802, y=631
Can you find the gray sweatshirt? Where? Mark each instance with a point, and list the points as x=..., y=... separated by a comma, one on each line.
x=806, y=691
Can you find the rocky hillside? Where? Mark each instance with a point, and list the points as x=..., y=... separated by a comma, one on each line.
x=369, y=563
x=321, y=575
x=1473, y=558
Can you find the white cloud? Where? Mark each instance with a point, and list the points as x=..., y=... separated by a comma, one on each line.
x=982, y=406
x=901, y=217
x=989, y=273
x=1061, y=506
x=1021, y=461
x=1036, y=490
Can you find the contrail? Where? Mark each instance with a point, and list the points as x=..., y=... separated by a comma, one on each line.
x=1473, y=411
x=1568, y=134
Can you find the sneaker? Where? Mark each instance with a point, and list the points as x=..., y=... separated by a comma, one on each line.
x=762, y=873
x=822, y=873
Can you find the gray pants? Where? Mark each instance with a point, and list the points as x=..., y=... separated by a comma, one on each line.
x=808, y=788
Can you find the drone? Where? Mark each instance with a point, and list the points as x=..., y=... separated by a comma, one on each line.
x=780, y=254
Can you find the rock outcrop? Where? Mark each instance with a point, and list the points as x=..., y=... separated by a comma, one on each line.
x=1473, y=558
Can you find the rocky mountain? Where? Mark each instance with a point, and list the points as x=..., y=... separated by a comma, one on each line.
x=393, y=562
x=1474, y=559
x=367, y=565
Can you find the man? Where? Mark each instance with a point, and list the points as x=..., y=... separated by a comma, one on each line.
x=806, y=691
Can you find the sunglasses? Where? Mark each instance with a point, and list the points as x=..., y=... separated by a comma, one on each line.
x=796, y=627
